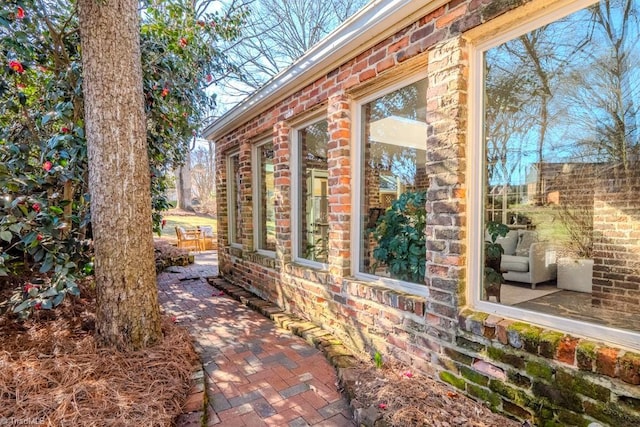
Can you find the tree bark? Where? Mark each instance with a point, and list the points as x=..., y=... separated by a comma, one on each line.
x=183, y=184
x=128, y=315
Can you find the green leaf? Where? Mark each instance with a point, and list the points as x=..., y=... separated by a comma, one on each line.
x=23, y=305
x=6, y=235
x=48, y=263
x=58, y=299
x=49, y=292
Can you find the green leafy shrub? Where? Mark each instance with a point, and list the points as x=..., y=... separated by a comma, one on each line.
x=400, y=237
x=44, y=199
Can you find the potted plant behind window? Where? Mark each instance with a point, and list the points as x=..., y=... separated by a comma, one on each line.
x=575, y=270
x=399, y=233
x=492, y=258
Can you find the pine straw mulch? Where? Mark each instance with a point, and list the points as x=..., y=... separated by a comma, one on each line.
x=406, y=398
x=52, y=373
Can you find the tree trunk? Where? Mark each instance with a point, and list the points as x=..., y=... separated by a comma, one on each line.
x=183, y=184
x=128, y=315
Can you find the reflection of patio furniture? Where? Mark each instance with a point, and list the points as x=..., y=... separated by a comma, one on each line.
x=189, y=239
x=207, y=237
x=575, y=274
x=526, y=259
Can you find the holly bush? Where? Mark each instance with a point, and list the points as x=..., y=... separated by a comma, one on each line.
x=45, y=229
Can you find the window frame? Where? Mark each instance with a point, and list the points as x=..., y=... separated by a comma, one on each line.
x=357, y=186
x=296, y=169
x=258, y=209
x=232, y=201
x=475, y=195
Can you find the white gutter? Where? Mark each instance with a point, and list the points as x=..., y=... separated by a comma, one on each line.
x=372, y=24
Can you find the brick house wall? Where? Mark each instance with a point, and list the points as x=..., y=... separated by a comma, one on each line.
x=519, y=369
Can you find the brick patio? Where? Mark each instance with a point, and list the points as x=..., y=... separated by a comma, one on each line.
x=255, y=373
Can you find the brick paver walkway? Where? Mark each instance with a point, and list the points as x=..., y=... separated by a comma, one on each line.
x=256, y=374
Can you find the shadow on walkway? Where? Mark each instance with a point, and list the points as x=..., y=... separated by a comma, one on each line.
x=255, y=373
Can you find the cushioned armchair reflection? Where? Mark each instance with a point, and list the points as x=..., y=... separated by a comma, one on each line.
x=526, y=259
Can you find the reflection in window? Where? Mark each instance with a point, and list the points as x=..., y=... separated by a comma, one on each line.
x=313, y=196
x=266, y=202
x=562, y=132
x=394, y=181
x=233, y=191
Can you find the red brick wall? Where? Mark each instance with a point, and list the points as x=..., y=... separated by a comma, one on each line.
x=515, y=369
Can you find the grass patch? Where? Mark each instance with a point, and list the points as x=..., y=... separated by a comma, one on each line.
x=186, y=221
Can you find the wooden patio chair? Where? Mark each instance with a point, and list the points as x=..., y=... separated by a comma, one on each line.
x=208, y=242
x=189, y=239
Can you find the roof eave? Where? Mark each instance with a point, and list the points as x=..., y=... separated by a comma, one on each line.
x=363, y=30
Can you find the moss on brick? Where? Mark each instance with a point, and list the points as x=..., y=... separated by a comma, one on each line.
x=518, y=379
x=549, y=341
x=611, y=414
x=630, y=368
x=484, y=394
x=586, y=353
x=559, y=397
x=457, y=356
x=455, y=381
x=473, y=376
x=510, y=393
x=572, y=419
x=540, y=370
x=506, y=357
x=478, y=316
x=495, y=353
x=469, y=345
x=529, y=336
x=577, y=383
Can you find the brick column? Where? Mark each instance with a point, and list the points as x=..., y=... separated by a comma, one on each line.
x=246, y=196
x=222, y=198
x=339, y=166
x=446, y=119
x=282, y=178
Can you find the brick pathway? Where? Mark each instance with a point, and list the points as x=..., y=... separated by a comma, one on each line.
x=255, y=374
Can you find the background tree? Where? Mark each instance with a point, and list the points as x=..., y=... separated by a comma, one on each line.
x=276, y=34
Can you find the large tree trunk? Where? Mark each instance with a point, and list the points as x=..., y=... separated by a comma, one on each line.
x=128, y=315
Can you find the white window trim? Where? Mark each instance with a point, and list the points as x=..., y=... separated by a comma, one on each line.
x=475, y=183
x=295, y=194
x=356, y=185
x=257, y=208
x=232, y=194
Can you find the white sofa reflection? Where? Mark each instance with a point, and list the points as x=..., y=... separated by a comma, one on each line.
x=526, y=259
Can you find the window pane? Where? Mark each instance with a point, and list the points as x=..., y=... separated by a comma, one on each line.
x=562, y=132
x=314, y=223
x=392, y=225
x=267, y=238
x=235, y=214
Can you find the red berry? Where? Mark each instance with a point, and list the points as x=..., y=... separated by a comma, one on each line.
x=38, y=306
x=20, y=13
x=47, y=166
x=183, y=42
x=39, y=237
x=36, y=207
x=165, y=92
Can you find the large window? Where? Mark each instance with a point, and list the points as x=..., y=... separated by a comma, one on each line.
x=312, y=187
x=233, y=198
x=561, y=167
x=393, y=134
x=264, y=206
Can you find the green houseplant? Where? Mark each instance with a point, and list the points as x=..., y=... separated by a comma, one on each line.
x=492, y=258
x=399, y=233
